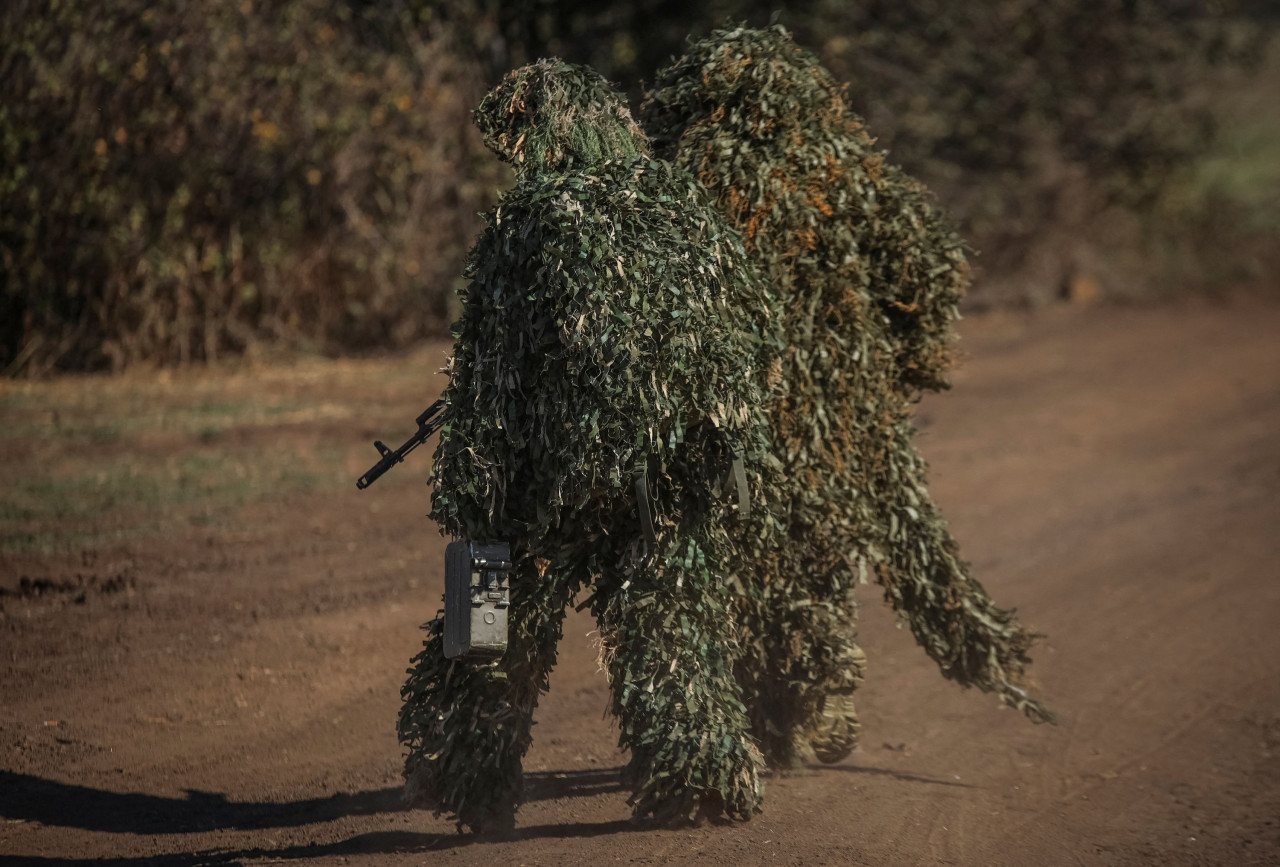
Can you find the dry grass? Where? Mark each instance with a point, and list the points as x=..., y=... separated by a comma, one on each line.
x=92, y=460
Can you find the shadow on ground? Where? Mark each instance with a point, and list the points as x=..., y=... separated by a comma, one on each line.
x=374, y=843
x=33, y=799
x=25, y=798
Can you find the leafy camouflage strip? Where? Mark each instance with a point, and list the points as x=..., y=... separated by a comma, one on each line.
x=868, y=275
x=611, y=326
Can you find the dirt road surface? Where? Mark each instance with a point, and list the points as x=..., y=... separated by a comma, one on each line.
x=205, y=627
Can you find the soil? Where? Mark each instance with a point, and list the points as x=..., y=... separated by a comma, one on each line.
x=223, y=687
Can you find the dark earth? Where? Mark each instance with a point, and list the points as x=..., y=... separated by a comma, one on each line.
x=204, y=626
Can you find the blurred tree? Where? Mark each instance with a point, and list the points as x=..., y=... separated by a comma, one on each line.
x=1030, y=118
x=185, y=178
x=625, y=42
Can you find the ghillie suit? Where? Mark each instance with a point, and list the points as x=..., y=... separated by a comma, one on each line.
x=869, y=275
x=612, y=330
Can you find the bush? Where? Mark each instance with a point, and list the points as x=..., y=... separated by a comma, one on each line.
x=189, y=178
x=186, y=179
x=1039, y=122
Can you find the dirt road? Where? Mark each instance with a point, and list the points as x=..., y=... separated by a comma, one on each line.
x=204, y=625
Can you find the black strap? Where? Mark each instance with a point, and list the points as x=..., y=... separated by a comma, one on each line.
x=642, y=503
x=739, y=471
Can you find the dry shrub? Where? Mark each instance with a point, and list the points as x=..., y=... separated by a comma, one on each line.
x=186, y=180
x=1052, y=129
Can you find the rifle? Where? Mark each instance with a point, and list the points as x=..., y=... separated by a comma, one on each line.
x=428, y=423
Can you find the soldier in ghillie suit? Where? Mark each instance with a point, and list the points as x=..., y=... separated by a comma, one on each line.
x=868, y=274
x=612, y=359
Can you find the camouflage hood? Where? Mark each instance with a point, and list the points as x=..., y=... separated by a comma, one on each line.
x=556, y=116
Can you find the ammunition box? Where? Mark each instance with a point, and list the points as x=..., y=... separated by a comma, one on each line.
x=477, y=594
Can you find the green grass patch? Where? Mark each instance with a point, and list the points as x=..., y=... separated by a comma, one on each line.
x=134, y=484
x=93, y=461
x=81, y=416
x=47, y=542
x=87, y=502
x=1242, y=170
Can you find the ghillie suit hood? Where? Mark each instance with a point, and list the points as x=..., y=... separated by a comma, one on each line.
x=554, y=116
x=869, y=275
x=612, y=330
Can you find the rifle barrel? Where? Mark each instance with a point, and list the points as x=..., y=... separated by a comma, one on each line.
x=427, y=425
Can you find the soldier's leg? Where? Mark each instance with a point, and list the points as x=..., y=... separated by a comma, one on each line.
x=467, y=724
x=777, y=675
x=670, y=641
x=800, y=648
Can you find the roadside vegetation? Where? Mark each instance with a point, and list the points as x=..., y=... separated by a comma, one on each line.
x=87, y=462
x=187, y=181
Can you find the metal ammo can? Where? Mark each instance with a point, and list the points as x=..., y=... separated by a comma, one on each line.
x=477, y=593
